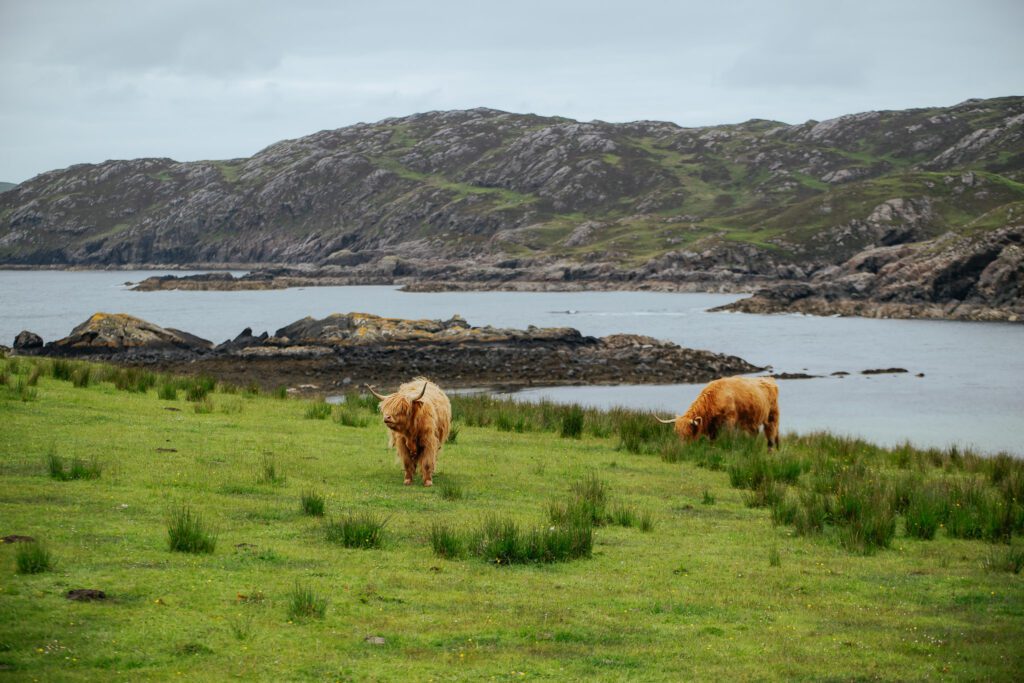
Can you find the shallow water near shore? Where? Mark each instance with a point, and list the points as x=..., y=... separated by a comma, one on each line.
x=970, y=395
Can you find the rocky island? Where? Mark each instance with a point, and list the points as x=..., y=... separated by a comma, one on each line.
x=345, y=350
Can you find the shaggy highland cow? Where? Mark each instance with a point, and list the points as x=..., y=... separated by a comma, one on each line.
x=746, y=403
x=418, y=417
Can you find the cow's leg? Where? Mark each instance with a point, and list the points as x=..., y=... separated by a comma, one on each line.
x=771, y=429
x=428, y=460
x=410, y=469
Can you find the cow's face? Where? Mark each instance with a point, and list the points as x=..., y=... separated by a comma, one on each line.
x=688, y=428
x=397, y=412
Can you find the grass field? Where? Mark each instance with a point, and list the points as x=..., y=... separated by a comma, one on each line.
x=710, y=562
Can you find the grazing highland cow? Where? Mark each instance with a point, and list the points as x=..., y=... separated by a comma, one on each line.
x=418, y=417
x=742, y=402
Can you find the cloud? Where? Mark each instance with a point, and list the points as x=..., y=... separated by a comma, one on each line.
x=87, y=80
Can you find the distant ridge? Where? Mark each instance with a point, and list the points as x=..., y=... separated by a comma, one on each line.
x=485, y=196
x=7, y=186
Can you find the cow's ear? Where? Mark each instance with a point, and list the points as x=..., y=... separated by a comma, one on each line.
x=697, y=421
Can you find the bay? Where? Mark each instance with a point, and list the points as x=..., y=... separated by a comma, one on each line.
x=970, y=395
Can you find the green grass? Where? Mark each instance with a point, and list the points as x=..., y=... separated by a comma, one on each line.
x=306, y=603
x=188, y=533
x=318, y=410
x=357, y=530
x=33, y=558
x=696, y=597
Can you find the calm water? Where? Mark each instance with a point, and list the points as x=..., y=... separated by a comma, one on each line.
x=971, y=393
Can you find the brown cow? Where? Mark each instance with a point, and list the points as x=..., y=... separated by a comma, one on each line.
x=743, y=402
x=418, y=417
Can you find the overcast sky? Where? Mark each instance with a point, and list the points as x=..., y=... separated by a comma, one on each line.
x=89, y=80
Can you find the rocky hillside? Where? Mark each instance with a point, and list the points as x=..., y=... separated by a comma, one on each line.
x=489, y=196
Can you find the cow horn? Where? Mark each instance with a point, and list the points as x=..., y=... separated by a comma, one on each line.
x=422, y=392
x=667, y=422
x=379, y=396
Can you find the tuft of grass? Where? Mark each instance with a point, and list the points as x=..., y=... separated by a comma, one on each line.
x=252, y=388
x=81, y=376
x=500, y=541
x=312, y=504
x=33, y=376
x=708, y=498
x=623, y=515
x=924, y=512
x=133, y=380
x=446, y=542
x=572, y=423
x=318, y=410
x=774, y=559
x=167, y=392
x=195, y=392
x=61, y=369
x=866, y=515
x=640, y=433
x=357, y=530
x=240, y=626
x=646, y=522
x=231, y=405
x=187, y=533
x=1009, y=558
x=280, y=392
x=586, y=504
x=453, y=433
x=449, y=488
x=78, y=468
x=203, y=406
x=767, y=494
x=268, y=472
x=25, y=392
x=351, y=416
x=33, y=558
x=305, y=603
x=55, y=465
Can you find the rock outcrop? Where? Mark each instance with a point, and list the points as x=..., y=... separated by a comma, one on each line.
x=114, y=333
x=334, y=352
x=954, y=277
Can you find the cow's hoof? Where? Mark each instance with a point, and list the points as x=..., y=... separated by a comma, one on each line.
x=407, y=482
x=428, y=483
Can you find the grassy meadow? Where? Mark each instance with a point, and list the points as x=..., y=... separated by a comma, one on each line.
x=239, y=534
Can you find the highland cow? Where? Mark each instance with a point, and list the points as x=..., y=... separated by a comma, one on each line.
x=418, y=417
x=742, y=402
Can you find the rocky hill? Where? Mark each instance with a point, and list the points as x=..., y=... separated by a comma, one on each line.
x=489, y=197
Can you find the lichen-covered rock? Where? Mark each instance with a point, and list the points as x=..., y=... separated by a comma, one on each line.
x=105, y=333
x=348, y=329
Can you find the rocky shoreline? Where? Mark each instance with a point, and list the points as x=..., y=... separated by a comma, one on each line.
x=343, y=351
x=952, y=278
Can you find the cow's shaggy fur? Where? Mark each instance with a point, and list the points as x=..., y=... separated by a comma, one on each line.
x=418, y=417
x=741, y=402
